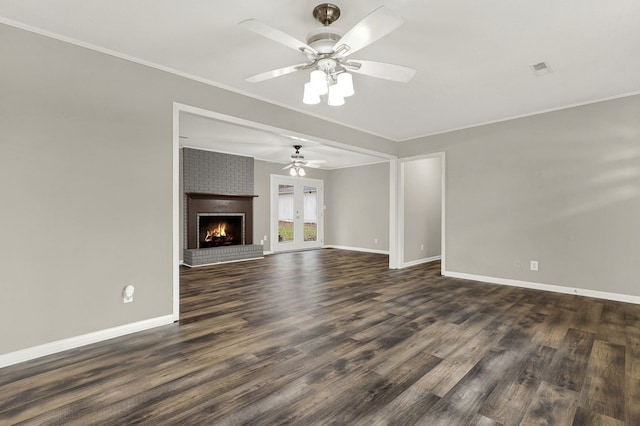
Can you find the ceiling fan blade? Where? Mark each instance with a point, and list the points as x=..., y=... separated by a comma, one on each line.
x=381, y=70
x=275, y=73
x=374, y=26
x=312, y=165
x=278, y=36
x=288, y=166
x=317, y=161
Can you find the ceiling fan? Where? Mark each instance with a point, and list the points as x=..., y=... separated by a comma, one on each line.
x=297, y=164
x=328, y=51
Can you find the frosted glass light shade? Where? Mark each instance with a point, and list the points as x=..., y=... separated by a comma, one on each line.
x=318, y=80
x=335, y=96
x=292, y=171
x=310, y=96
x=345, y=83
x=301, y=172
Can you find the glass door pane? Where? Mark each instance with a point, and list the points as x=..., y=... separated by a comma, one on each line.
x=286, y=228
x=310, y=210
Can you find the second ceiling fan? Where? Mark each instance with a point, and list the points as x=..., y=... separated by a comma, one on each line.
x=297, y=163
x=328, y=51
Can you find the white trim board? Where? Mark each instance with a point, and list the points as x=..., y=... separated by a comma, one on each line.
x=361, y=249
x=547, y=287
x=175, y=222
x=419, y=261
x=34, y=352
x=395, y=217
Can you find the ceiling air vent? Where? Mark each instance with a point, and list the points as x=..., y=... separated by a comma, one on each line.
x=540, y=69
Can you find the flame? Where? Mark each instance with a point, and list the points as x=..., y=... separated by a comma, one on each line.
x=218, y=231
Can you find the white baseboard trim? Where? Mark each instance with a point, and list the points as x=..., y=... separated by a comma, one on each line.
x=34, y=352
x=419, y=261
x=267, y=253
x=547, y=287
x=365, y=250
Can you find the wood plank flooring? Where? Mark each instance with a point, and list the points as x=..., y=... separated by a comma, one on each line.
x=334, y=337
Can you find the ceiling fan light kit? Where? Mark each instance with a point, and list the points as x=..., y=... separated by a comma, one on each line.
x=345, y=83
x=318, y=82
x=321, y=83
x=336, y=97
x=310, y=95
x=327, y=49
x=297, y=171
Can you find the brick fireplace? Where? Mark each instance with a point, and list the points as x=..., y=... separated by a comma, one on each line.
x=219, y=229
x=218, y=225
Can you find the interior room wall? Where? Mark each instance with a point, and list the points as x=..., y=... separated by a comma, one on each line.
x=561, y=188
x=422, y=208
x=358, y=207
x=86, y=172
x=87, y=193
x=262, y=204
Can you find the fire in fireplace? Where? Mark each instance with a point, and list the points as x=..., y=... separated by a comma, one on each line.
x=220, y=229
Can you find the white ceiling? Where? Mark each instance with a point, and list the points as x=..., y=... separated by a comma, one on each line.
x=206, y=133
x=472, y=57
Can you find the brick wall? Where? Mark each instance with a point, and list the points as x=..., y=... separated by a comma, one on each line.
x=214, y=173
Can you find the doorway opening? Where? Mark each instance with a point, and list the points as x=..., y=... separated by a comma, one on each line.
x=421, y=210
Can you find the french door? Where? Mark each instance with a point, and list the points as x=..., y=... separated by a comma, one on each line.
x=297, y=213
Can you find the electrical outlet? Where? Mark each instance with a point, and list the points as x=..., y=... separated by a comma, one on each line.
x=421, y=246
x=375, y=240
x=534, y=265
x=265, y=238
x=261, y=242
x=127, y=294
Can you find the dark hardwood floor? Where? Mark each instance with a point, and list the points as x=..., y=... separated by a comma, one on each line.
x=334, y=337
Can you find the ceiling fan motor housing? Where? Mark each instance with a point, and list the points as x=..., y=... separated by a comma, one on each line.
x=323, y=39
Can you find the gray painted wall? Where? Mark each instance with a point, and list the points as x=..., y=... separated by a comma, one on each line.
x=357, y=202
x=86, y=188
x=562, y=188
x=422, y=208
x=86, y=181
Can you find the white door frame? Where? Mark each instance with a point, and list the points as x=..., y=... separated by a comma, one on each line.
x=401, y=199
x=318, y=183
